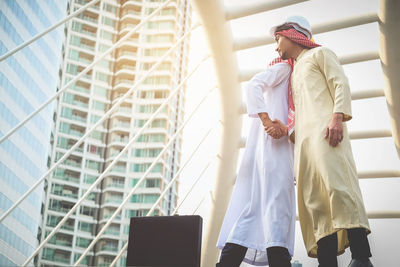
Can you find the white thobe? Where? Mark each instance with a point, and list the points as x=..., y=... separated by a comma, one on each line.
x=262, y=209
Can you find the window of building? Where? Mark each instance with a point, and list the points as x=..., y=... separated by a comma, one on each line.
x=157, y=80
x=150, y=198
x=97, y=135
x=89, y=179
x=155, y=52
x=108, y=21
x=151, y=138
x=99, y=105
x=73, y=54
x=83, y=242
x=102, y=77
x=88, y=211
x=160, y=38
x=152, y=152
x=158, y=94
x=100, y=91
x=110, y=8
x=152, y=183
x=94, y=165
x=144, y=166
x=72, y=69
x=85, y=227
x=107, y=35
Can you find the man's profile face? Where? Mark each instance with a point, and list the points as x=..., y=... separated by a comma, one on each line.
x=283, y=46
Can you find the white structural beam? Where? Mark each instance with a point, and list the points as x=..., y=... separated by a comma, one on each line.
x=354, y=135
x=370, y=134
x=380, y=214
x=368, y=93
x=250, y=8
x=379, y=174
x=357, y=95
x=390, y=57
x=246, y=75
x=250, y=42
x=220, y=39
x=383, y=214
x=359, y=57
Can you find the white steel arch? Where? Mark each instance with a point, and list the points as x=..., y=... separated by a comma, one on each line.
x=389, y=23
x=221, y=43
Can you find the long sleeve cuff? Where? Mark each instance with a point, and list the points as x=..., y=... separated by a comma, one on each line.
x=253, y=113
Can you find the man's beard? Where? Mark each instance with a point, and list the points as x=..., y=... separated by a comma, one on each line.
x=284, y=56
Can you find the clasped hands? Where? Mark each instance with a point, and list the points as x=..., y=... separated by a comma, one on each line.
x=275, y=128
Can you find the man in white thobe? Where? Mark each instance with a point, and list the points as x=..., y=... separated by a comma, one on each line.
x=259, y=224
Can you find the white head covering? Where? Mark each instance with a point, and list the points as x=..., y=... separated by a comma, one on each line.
x=299, y=23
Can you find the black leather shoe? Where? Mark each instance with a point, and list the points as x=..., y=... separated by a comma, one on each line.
x=359, y=263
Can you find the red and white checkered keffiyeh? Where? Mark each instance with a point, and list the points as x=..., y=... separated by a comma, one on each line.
x=297, y=37
x=290, y=97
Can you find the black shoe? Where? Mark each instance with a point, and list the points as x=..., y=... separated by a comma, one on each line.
x=359, y=263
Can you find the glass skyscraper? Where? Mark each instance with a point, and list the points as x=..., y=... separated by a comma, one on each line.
x=27, y=79
x=84, y=103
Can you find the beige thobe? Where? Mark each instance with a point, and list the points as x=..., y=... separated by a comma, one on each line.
x=329, y=196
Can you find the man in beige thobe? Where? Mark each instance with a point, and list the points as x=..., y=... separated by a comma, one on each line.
x=331, y=210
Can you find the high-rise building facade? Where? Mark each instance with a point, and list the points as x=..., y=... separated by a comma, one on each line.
x=87, y=36
x=27, y=79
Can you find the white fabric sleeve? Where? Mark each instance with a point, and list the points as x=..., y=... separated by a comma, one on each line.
x=262, y=82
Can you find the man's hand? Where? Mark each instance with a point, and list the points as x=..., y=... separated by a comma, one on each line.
x=292, y=137
x=334, y=130
x=276, y=129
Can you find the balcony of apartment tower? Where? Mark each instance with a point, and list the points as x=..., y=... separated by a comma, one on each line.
x=89, y=17
x=79, y=3
x=114, y=184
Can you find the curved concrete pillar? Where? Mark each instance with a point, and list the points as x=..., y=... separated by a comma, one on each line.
x=221, y=46
x=389, y=26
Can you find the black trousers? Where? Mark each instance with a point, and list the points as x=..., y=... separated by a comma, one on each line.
x=232, y=255
x=328, y=246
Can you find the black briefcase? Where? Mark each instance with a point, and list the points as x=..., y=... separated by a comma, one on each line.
x=167, y=241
